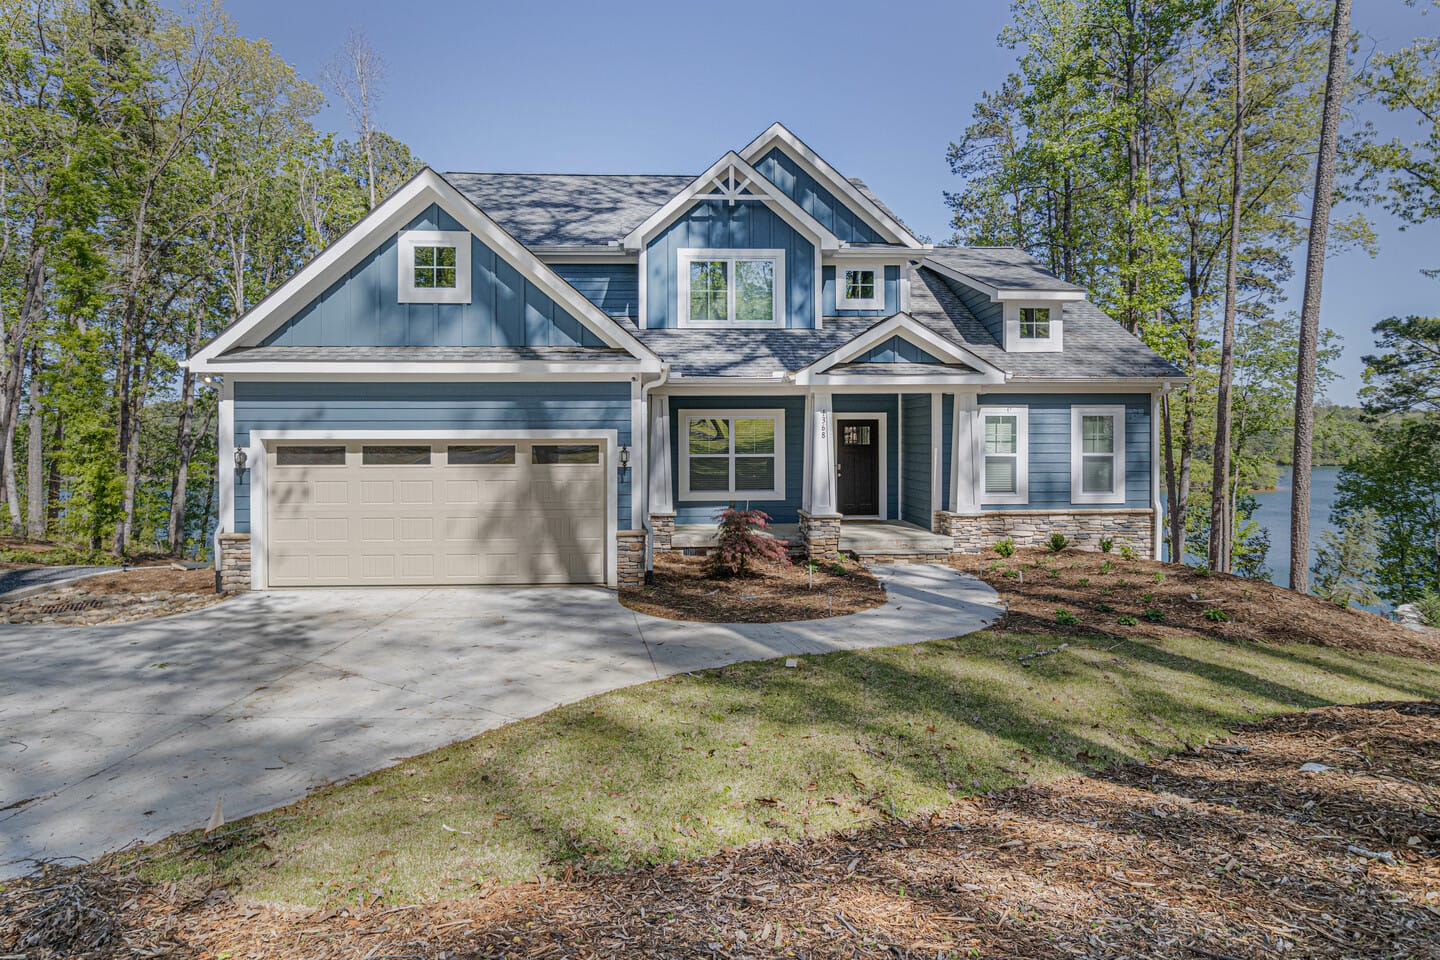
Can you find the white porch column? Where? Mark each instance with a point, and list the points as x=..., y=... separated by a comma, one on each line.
x=937, y=453
x=964, y=455
x=820, y=445
x=659, y=468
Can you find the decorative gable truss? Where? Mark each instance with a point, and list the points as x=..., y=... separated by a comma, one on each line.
x=942, y=361
x=364, y=238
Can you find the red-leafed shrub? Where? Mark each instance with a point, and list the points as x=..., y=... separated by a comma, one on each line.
x=742, y=541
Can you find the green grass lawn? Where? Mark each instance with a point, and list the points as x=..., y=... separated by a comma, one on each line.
x=683, y=766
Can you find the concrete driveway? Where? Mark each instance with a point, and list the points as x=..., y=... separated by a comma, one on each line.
x=111, y=735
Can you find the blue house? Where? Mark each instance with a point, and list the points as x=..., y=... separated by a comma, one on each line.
x=520, y=378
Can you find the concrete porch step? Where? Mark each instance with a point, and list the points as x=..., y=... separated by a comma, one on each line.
x=892, y=539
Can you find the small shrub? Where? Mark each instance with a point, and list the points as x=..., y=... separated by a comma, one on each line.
x=1154, y=614
x=838, y=569
x=1083, y=582
x=1052, y=573
x=742, y=542
x=1011, y=574
x=1202, y=571
x=1158, y=577
x=1066, y=617
x=1429, y=606
x=1122, y=583
x=1106, y=566
x=1106, y=592
x=1104, y=608
x=1128, y=621
x=1127, y=552
x=1148, y=598
x=1058, y=542
x=1107, y=544
x=1216, y=615
x=1006, y=547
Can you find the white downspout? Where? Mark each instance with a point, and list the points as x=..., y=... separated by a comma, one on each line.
x=645, y=398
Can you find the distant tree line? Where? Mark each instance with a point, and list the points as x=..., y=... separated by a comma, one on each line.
x=159, y=174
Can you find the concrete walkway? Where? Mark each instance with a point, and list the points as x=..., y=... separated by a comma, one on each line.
x=109, y=735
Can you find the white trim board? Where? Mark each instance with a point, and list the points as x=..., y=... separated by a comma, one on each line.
x=876, y=300
x=697, y=191
x=385, y=221
x=884, y=417
x=907, y=328
x=259, y=441
x=817, y=167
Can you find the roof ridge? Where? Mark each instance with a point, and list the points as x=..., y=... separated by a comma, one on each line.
x=533, y=173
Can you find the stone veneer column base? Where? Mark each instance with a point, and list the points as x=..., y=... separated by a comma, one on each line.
x=233, y=574
x=1084, y=528
x=630, y=559
x=820, y=535
x=662, y=530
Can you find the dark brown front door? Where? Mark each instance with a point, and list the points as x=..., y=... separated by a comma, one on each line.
x=858, y=468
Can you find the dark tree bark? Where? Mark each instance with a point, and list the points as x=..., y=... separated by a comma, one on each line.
x=1220, y=522
x=35, y=517
x=1310, y=306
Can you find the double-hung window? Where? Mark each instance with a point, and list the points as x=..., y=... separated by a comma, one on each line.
x=434, y=266
x=1097, y=454
x=859, y=287
x=731, y=288
x=1005, y=470
x=732, y=455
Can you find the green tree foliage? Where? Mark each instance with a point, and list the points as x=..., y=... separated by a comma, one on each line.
x=1346, y=560
x=1398, y=480
x=159, y=174
x=1405, y=378
x=1250, y=548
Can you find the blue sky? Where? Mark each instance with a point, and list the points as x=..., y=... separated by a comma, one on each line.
x=667, y=87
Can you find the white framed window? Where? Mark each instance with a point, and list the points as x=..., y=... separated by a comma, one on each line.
x=1097, y=454
x=1034, y=323
x=859, y=287
x=732, y=454
x=1005, y=455
x=731, y=288
x=434, y=266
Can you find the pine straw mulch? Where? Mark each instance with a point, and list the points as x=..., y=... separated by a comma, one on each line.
x=1224, y=852
x=772, y=594
x=1037, y=584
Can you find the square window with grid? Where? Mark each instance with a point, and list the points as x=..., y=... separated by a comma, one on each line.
x=434, y=267
x=1034, y=323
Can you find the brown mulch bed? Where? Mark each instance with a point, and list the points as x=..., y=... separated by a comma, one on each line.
x=772, y=594
x=142, y=593
x=1223, y=852
x=1078, y=582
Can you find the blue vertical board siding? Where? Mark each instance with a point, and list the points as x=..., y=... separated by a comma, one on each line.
x=897, y=350
x=888, y=404
x=431, y=405
x=720, y=225
x=991, y=314
x=915, y=412
x=363, y=308
x=1050, y=447
x=613, y=287
x=892, y=295
x=780, y=168
x=705, y=511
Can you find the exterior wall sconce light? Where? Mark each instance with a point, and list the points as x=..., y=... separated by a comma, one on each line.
x=624, y=458
x=241, y=457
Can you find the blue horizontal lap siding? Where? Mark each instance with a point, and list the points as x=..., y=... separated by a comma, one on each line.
x=431, y=406
x=1050, y=447
x=915, y=412
x=780, y=168
x=613, y=287
x=705, y=511
x=746, y=225
x=892, y=295
x=363, y=308
x=988, y=312
x=888, y=404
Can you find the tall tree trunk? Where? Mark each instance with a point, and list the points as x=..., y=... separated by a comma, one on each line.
x=1310, y=306
x=53, y=481
x=16, y=341
x=1220, y=521
x=184, y=445
x=12, y=488
x=35, y=519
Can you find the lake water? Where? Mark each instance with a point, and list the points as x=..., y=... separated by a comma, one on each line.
x=1274, y=515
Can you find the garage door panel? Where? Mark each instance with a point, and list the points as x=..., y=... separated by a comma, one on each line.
x=511, y=522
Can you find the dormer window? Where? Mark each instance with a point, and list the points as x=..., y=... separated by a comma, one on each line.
x=1034, y=323
x=434, y=266
x=859, y=287
x=732, y=288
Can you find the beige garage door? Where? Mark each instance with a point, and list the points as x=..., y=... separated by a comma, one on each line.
x=372, y=513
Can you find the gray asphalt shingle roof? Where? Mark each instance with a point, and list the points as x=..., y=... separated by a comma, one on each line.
x=553, y=208
x=1005, y=268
